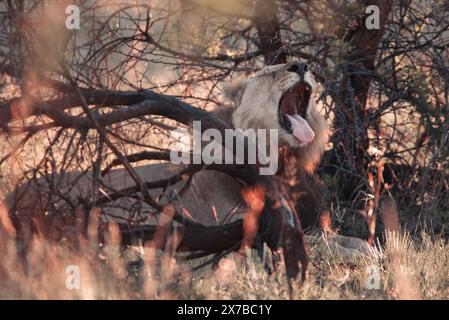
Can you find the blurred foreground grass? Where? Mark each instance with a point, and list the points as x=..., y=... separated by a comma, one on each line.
x=401, y=268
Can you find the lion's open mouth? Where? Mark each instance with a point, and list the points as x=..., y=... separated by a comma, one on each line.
x=292, y=112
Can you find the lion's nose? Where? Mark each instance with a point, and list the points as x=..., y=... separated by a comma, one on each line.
x=298, y=67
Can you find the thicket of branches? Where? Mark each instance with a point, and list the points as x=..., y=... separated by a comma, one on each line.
x=111, y=91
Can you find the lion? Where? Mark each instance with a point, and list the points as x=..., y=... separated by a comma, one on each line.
x=277, y=97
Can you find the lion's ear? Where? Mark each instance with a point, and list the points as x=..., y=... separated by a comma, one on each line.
x=234, y=92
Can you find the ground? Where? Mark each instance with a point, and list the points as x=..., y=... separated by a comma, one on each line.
x=402, y=267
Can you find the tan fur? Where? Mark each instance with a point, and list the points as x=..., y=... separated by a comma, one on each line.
x=257, y=101
x=255, y=105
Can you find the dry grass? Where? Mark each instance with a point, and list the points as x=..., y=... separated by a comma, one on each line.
x=407, y=269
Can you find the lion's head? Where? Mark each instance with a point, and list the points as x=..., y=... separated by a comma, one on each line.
x=280, y=97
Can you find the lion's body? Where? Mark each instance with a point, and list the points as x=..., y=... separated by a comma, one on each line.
x=201, y=198
x=212, y=197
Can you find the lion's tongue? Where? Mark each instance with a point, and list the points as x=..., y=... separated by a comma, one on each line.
x=301, y=129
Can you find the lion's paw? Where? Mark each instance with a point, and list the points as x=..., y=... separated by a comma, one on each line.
x=348, y=250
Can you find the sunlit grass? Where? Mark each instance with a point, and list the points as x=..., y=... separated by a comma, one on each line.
x=406, y=268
